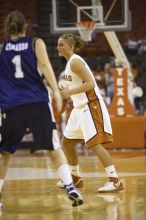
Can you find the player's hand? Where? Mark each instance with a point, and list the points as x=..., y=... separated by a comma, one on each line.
x=65, y=92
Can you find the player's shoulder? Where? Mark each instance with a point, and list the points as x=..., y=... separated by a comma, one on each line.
x=76, y=60
x=39, y=42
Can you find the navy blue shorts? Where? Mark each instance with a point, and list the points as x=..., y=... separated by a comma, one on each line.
x=39, y=118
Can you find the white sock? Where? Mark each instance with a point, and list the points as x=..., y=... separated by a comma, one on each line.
x=111, y=172
x=64, y=173
x=75, y=170
x=1, y=184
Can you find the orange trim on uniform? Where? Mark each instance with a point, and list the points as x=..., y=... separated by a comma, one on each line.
x=102, y=137
x=91, y=95
x=80, y=141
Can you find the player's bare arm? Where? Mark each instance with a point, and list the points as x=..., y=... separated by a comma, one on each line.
x=44, y=64
x=46, y=69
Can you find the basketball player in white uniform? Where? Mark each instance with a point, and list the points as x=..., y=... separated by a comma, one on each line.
x=89, y=120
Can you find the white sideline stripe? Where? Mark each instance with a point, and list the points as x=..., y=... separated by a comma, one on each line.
x=46, y=173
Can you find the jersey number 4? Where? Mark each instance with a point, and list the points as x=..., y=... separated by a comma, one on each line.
x=18, y=68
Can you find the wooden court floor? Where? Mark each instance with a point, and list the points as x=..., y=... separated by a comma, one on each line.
x=30, y=191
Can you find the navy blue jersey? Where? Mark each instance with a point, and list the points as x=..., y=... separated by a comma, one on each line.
x=20, y=80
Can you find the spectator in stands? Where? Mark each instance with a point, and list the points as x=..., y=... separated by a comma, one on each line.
x=109, y=82
x=100, y=80
x=140, y=81
x=132, y=45
x=31, y=27
x=142, y=47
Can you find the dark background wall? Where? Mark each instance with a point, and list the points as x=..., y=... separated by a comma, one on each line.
x=38, y=15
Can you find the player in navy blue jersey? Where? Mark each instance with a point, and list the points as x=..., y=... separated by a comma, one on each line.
x=24, y=100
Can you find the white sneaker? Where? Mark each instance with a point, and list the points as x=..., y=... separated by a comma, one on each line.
x=1, y=205
x=74, y=195
x=111, y=187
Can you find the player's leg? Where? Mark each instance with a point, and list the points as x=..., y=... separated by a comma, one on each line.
x=72, y=136
x=101, y=132
x=114, y=184
x=5, y=159
x=72, y=157
x=105, y=159
x=46, y=138
x=59, y=160
x=11, y=131
x=69, y=146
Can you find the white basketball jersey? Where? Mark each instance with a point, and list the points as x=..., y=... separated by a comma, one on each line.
x=74, y=81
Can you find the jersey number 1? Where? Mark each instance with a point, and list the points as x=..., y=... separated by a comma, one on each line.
x=18, y=68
